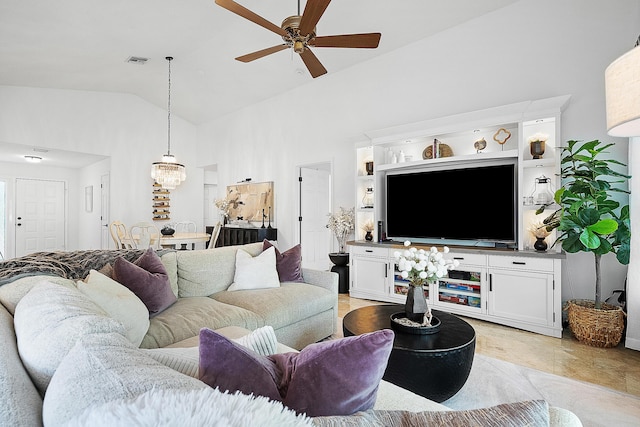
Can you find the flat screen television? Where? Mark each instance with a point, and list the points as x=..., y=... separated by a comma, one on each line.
x=472, y=203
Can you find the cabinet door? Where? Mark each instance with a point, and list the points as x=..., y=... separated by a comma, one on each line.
x=521, y=295
x=369, y=277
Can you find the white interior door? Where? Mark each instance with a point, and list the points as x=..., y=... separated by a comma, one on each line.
x=40, y=216
x=211, y=215
x=315, y=205
x=105, y=188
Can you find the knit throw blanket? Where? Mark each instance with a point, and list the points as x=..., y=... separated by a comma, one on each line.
x=73, y=265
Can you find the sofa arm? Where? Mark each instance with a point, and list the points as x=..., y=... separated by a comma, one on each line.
x=324, y=279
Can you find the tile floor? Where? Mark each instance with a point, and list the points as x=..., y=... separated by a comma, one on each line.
x=617, y=368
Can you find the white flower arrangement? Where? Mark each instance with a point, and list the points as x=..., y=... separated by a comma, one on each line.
x=539, y=136
x=223, y=206
x=420, y=266
x=342, y=224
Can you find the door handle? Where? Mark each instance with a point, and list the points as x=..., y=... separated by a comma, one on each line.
x=18, y=224
x=19, y=218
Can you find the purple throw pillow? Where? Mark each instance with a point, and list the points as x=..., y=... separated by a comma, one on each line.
x=288, y=263
x=336, y=377
x=147, y=278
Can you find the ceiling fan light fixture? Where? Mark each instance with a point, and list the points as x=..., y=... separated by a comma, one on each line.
x=168, y=173
x=298, y=46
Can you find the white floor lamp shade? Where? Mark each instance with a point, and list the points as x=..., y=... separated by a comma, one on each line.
x=622, y=86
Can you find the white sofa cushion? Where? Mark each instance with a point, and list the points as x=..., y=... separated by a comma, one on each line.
x=205, y=272
x=119, y=302
x=48, y=322
x=11, y=293
x=105, y=367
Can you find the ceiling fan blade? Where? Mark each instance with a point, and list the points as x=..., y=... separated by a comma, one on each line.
x=247, y=14
x=367, y=41
x=313, y=64
x=313, y=11
x=261, y=53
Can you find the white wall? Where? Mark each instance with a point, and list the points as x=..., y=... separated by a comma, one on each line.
x=531, y=50
x=132, y=132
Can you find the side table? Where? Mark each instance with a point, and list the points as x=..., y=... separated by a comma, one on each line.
x=435, y=366
x=341, y=266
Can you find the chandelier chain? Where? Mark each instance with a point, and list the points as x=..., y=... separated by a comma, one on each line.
x=169, y=110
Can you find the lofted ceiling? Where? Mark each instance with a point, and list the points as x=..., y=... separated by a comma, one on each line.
x=85, y=44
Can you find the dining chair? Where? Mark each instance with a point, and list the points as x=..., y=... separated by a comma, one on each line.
x=120, y=236
x=144, y=235
x=214, y=236
x=186, y=227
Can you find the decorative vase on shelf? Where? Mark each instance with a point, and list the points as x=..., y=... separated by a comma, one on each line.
x=369, y=168
x=416, y=304
x=540, y=245
x=368, y=236
x=537, y=149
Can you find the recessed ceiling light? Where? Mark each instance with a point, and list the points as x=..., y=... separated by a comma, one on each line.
x=33, y=159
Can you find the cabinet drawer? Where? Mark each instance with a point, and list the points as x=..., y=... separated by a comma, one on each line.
x=369, y=251
x=468, y=259
x=521, y=263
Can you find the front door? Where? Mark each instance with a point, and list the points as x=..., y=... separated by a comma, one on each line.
x=40, y=216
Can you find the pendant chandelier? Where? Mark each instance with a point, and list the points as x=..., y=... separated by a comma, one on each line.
x=168, y=173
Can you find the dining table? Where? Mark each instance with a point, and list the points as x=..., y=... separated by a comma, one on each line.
x=181, y=240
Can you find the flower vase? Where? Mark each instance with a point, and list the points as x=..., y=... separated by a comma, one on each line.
x=416, y=304
x=540, y=245
x=368, y=236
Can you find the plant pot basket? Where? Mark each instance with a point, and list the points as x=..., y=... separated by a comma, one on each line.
x=595, y=327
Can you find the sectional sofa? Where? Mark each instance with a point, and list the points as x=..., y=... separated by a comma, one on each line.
x=74, y=354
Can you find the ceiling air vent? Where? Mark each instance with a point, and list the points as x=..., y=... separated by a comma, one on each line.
x=137, y=60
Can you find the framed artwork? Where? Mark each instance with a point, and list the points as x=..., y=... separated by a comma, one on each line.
x=249, y=201
x=88, y=198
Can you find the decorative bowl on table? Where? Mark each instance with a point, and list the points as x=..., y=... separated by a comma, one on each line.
x=400, y=323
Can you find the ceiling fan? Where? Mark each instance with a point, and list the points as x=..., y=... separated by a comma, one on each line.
x=299, y=33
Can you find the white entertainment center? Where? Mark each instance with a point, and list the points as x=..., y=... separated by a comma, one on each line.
x=513, y=284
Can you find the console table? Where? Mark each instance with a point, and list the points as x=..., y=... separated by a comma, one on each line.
x=435, y=366
x=230, y=236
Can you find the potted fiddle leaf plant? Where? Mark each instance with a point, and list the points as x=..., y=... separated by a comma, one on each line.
x=589, y=219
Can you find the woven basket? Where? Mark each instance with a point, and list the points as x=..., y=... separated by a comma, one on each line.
x=595, y=327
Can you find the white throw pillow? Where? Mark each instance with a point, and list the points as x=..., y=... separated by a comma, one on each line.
x=49, y=320
x=255, y=272
x=262, y=340
x=119, y=302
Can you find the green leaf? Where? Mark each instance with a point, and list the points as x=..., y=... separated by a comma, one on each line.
x=589, y=239
x=604, y=226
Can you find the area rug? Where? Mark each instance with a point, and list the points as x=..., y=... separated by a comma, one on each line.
x=493, y=381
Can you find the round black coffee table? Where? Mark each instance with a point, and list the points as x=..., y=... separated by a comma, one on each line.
x=435, y=366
